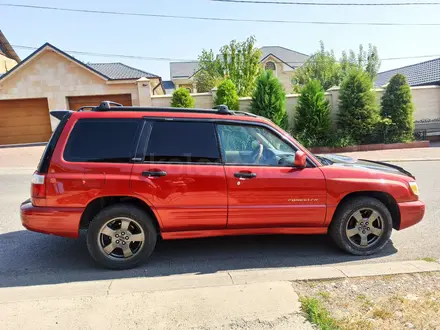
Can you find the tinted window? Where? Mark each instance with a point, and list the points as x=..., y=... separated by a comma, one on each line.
x=245, y=144
x=43, y=166
x=102, y=140
x=173, y=141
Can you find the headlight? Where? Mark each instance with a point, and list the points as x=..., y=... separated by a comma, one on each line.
x=414, y=188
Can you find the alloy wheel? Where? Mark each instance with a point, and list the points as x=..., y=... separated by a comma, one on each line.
x=121, y=238
x=364, y=228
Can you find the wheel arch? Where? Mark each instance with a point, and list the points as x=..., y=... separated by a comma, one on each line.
x=99, y=203
x=385, y=198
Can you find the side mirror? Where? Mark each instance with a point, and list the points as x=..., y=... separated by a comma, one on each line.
x=300, y=159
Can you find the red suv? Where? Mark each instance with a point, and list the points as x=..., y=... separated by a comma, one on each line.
x=129, y=175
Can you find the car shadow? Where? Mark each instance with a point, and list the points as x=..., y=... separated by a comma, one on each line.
x=28, y=258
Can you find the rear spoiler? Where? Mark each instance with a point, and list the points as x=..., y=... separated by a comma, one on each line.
x=59, y=114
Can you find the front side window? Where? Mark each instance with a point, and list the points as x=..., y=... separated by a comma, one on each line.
x=244, y=144
x=108, y=140
x=181, y=141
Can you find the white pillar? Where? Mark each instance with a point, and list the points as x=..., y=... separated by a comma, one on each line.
x=144, y=92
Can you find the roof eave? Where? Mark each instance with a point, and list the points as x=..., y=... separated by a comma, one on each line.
x=48, y=46
x=9, y=49
x=270, y=54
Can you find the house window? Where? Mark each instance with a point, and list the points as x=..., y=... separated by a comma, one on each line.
x=270, y=66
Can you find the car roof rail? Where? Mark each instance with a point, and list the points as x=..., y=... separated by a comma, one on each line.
x=107, y=105
x=83, y=108
x=245, y=113
x=223, y=110
x=113, y=106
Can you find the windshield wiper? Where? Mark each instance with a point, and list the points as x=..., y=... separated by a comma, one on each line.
x=324, y=161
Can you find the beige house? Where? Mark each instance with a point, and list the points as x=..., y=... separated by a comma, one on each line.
x=51, y=79
x=282, y=61
x=8, y=56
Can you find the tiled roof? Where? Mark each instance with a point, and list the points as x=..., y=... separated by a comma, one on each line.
x=424, y=73
x=108, y=71
x=288, y=56
x=117, y=71
x=168, y=84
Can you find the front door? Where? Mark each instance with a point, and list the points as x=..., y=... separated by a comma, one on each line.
x=264, y=189
x=181, y=175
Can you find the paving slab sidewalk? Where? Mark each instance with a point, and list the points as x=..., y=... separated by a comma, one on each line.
x=272, y=305
x=253, y=299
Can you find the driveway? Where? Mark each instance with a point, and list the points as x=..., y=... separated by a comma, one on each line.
x=29, y=258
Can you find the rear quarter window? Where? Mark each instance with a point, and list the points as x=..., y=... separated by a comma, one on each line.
x=103, y=140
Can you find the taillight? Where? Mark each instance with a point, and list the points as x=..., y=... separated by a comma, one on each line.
x=38, y=186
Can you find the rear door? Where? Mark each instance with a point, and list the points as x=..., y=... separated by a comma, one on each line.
x=181, y=174
x=264, y=188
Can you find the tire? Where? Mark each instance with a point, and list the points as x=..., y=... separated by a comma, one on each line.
x=138, y=225
x=347, y=231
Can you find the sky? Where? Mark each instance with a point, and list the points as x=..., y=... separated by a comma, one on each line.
x=184, y=39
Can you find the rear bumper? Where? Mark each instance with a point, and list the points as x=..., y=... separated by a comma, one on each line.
x=51, y=220
x=411, y=213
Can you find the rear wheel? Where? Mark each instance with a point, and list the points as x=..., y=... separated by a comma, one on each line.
x=121, y=236
x=361, y=226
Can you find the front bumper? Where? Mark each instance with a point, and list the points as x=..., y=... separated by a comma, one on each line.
x=411, y=213
x=51, y=220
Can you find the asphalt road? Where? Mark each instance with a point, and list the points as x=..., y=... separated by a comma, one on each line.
x=28, y=258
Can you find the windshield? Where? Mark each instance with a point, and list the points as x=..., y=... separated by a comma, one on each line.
x=323, y=160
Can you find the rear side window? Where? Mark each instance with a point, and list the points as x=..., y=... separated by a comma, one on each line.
x=44, y=164
x=102, y=140
x=188, y=142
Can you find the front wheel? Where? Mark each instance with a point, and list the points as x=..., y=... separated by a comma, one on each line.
x=121, y=236
x=361, y=226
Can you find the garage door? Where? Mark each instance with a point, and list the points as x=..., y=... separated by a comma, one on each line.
x=24, y=121
x=76, y=102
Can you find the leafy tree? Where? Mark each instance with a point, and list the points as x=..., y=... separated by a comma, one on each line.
x=398, y=107
x=182, y=99
x=367, y=61
x=269, y=99
x=312, y=118
x=324, y=67
x=227, y=95
x=209, y=74
x=358, y=113
x=321, y=66
x=238, y=61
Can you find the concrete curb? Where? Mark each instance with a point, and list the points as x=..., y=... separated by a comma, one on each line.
x=179, y=282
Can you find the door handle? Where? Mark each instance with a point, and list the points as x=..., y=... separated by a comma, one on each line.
x=154, y=173
x=245, y=175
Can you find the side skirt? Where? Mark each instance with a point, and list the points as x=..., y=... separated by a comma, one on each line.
x=245, y=231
